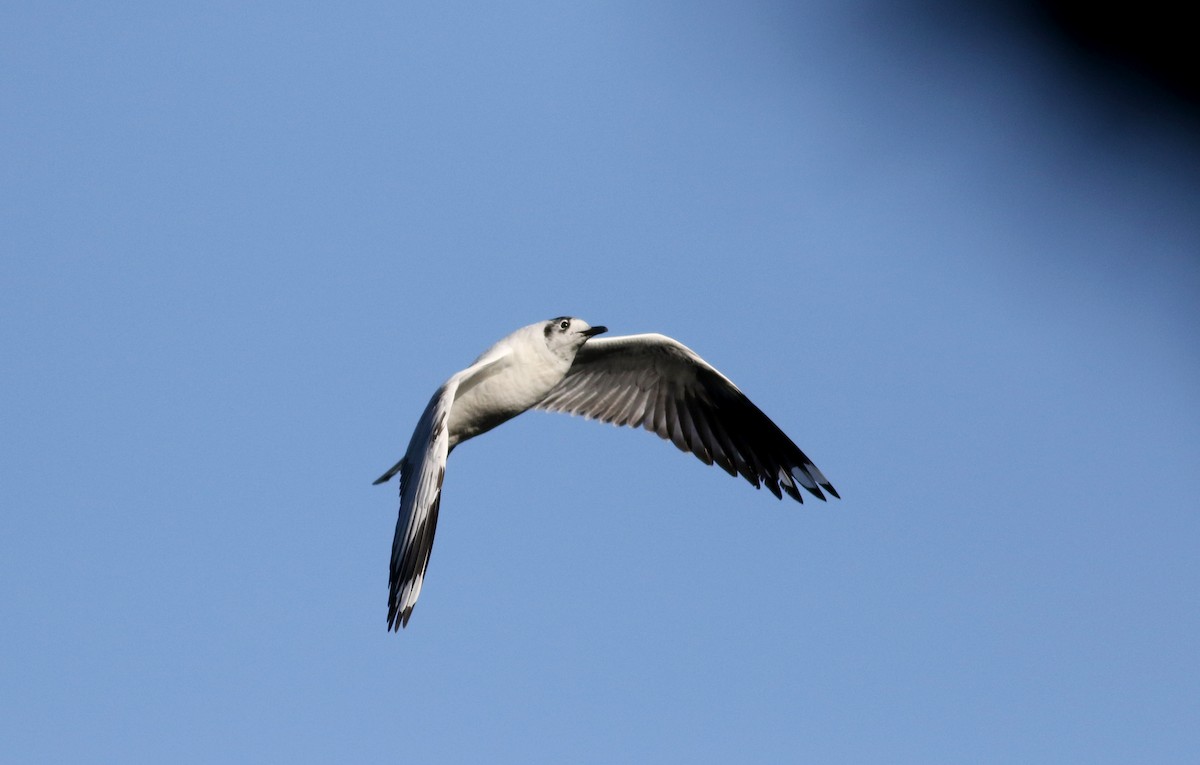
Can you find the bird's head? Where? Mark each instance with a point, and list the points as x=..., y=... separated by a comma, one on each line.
x=565, y=335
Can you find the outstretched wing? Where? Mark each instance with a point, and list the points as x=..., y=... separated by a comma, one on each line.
x=421, y=472
x=657, y=383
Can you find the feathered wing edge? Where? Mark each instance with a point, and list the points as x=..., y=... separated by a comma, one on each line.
x=422, y=471
x=657, y=383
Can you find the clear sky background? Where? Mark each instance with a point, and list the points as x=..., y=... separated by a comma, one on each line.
x=242, y=245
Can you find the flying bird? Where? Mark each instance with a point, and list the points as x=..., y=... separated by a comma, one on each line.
x=649, y=381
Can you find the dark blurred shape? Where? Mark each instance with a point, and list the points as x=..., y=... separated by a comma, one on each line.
x=1141, y=58
x=1137, y=46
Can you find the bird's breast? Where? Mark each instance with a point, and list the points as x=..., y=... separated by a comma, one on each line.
x=499, y=398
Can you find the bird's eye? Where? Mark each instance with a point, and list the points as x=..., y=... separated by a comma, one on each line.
x=564, y=324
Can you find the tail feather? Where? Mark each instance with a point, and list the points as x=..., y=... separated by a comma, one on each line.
x=388, y=475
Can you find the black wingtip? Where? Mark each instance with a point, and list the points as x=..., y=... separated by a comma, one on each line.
x=792, y=491
x=831, y=490
x=394, y=622
x=398, y=621
x=774, y=487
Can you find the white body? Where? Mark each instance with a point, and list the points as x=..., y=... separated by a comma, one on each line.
x=648, y=381
x=507, y=379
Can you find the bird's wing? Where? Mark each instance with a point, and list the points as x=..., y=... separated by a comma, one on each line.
x=657, y=383
x=486, y=364
x=422, y=469
x=421, y=472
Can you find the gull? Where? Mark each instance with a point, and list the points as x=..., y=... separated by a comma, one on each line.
x=649, y=381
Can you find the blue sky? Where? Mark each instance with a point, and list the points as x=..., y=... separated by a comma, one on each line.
x=241, y=246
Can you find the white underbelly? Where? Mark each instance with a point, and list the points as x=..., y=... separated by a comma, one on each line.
x=494, y=401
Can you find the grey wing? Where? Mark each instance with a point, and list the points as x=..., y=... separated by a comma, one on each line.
x=657, y=383
x=421, y=472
